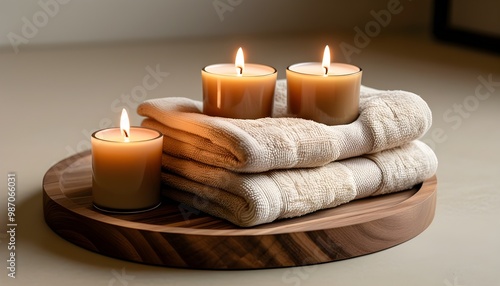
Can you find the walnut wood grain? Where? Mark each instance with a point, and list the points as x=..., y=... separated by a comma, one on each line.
x=178, y=236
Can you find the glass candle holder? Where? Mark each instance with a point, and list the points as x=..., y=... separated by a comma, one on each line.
x=249, y=95
x=331, y=98
x=126, y=174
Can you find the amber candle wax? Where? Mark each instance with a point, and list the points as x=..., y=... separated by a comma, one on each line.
x=331, y=98
x=126, y=172
x=324, y=92
x=243, y=91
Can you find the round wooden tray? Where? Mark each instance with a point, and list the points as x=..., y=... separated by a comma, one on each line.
x=178, y=236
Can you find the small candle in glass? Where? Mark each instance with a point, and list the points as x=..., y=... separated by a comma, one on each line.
x=238, y=90
x=324, y=92
x=126, y=168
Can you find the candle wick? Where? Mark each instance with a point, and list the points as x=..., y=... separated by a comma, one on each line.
x=326, y=70
x=240, y=70
x=126, y=135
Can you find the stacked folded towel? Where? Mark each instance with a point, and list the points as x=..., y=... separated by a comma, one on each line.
x=252, y=172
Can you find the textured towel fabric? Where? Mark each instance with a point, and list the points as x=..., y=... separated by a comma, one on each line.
x=387, y=119
x=252, y=199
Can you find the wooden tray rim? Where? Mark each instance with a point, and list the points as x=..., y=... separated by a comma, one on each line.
x=424, y=191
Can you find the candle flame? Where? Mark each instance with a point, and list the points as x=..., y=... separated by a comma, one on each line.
x=326, y=60
x=239, y=62
x=125, y=125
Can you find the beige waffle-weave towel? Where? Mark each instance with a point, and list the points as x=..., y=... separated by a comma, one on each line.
x=387, y=119
x=257, y=198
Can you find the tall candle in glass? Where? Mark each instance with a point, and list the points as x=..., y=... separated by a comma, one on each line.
x=324, y=92
x=238, y=90
x=126, y=168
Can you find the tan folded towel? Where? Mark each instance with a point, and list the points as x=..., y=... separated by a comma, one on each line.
x=252, y=199
x=387, y=119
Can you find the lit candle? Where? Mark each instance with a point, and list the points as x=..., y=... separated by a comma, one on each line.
x=324, y=92
x=238, y=90
x=126, y=167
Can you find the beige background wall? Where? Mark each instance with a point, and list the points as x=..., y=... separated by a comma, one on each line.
x=77, y=21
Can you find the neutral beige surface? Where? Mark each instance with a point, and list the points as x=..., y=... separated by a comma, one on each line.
x=53, y=98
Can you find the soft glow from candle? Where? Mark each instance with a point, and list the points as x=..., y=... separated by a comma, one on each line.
x=125, y=125
x=239, y=63
x=326, y=60
x=126, y=171
x=238, y=89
